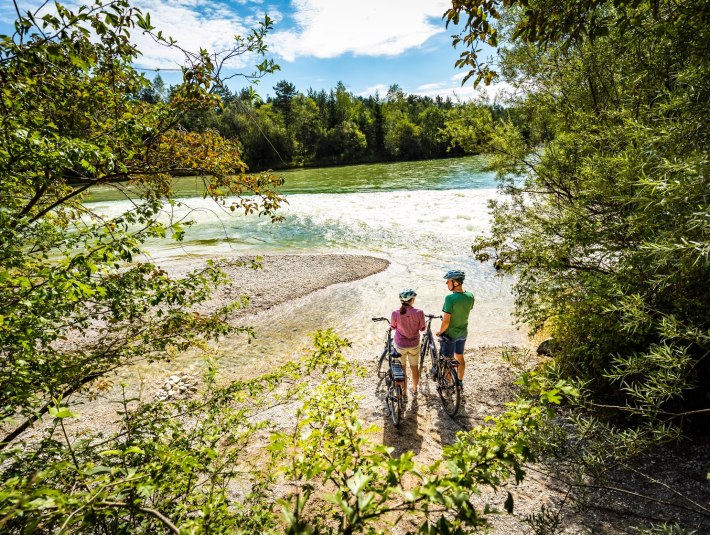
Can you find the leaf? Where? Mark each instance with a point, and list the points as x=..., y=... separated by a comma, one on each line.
x=61, y=413
x=110, y=452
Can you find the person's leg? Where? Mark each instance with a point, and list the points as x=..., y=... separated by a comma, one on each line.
x=461, y=368
x=459, y=347
x=414, y=365
x=446, y=347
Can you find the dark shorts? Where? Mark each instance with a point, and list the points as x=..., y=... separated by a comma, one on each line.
x=449, y=346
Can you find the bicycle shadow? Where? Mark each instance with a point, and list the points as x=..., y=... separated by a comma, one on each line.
x=447, y=426
x=407, y=436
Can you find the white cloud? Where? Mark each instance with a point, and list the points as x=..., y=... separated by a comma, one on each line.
x=433, y=87
x=194, y=24
x=330, y=28
x=380, y=89
x=467, y=92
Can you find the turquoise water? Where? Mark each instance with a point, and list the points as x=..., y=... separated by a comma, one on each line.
x=454, y=173
x=421, y=216
x=433, y=205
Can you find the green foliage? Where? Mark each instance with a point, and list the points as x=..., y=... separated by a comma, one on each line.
x=606, y=222
x=468, y=127
x=369, y=490
x=337, y=127
x=171, y=464
x=73, y=304
x=220, y=463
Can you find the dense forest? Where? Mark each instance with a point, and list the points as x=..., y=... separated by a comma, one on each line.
x=336, y=127
x=603, y=220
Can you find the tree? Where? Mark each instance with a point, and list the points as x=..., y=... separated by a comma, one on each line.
x=285, y=93
x=343, y=143
x=305, y=127
x=402, y=136
x=431, y=121
x=155, y=92
x=467, y=128
x=73, y=305
x=606, y=223
x=264, y=136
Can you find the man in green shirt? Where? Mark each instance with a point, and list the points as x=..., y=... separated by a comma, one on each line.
x=454, y=326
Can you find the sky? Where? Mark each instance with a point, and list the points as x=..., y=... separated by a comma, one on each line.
x=366, y=44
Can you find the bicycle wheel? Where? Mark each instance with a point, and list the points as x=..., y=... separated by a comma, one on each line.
x=434, y=360
x=448, y=386
x=423, y=351
x=433, y=353
x=379, y=370
x=395, y=396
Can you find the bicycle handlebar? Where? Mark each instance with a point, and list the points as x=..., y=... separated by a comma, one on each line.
x=381, y=319
x=432, y=316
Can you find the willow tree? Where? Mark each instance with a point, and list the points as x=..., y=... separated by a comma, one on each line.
x=73, y=304
x=607, y=221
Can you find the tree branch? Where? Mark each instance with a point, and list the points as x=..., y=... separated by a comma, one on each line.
x=154, y=512
x=37, y=415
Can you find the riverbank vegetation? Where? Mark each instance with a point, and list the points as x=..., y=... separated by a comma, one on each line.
x=609, y=231
x=606, y=222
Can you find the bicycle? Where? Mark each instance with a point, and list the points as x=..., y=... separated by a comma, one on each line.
x=444, y=371
x=393, y=376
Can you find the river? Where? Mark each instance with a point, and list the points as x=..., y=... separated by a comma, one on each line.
x=421, y=216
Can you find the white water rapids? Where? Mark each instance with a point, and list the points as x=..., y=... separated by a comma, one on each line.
x=422, y=232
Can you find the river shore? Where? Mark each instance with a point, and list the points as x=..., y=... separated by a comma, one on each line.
x=425, y=429
x=279, y=277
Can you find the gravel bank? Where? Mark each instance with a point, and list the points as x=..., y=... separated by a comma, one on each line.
x=281, y=277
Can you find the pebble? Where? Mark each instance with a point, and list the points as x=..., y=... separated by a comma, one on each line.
x=178, y=385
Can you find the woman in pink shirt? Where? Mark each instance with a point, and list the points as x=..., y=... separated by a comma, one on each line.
x=407, y=322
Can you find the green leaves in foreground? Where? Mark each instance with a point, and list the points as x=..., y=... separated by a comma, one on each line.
x=364, y=489
x=226, y=462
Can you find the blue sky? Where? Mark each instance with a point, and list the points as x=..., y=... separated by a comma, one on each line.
x=366, y=44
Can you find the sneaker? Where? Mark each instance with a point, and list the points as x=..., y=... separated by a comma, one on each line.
x=433, y=372
x=460, y=386
x=405, y=398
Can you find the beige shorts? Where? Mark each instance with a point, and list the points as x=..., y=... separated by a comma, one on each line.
x=411, y=354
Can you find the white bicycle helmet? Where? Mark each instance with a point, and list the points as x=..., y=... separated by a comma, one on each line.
x=407, y=294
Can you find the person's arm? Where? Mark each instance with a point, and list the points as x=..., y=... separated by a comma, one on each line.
x=422, y=323
x=444, y=324
x=393, y=321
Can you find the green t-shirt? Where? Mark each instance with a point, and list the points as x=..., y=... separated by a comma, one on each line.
x=459, y=305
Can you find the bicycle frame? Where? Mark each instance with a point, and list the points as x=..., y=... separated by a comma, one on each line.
x=446, y=375
x=394, y=376
x=427, y=342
